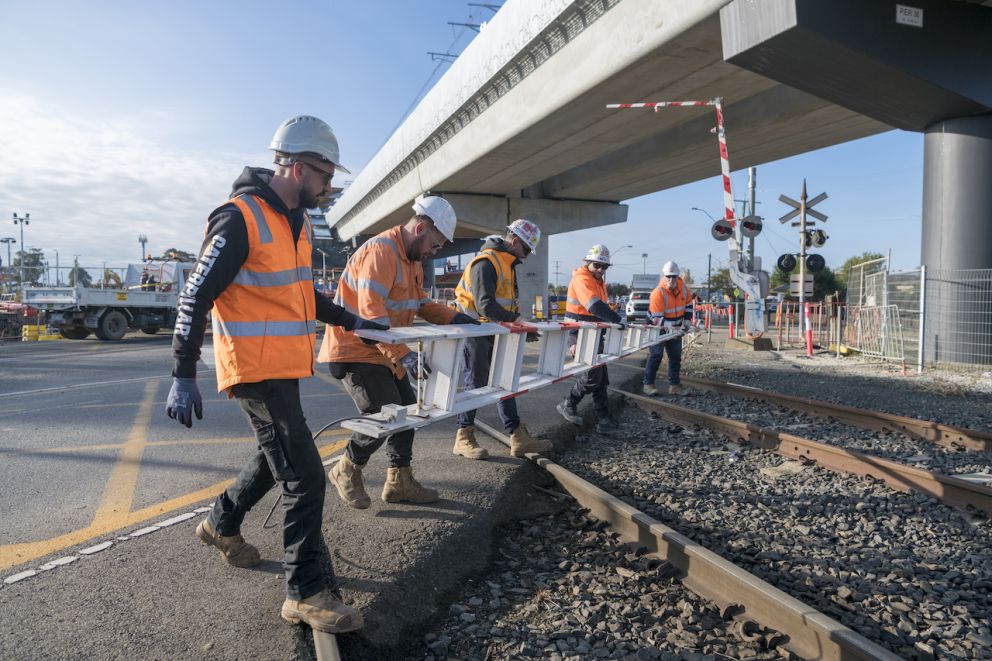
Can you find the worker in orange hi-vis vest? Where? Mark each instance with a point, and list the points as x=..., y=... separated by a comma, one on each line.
x=670, y=306
x=587, y=301
x=383, y=281
x=487, y=291
x=254, y=272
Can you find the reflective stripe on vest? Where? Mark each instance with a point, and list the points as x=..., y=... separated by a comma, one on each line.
x=584, y=282
x=506, y=283
x=264, y=322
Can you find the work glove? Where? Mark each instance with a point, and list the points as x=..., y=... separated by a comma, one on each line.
x=410, y=364
x=184, y=399
x=367, y=324
x=622, y=325
x=462, y=318
x=687, y=325
x=533, y=337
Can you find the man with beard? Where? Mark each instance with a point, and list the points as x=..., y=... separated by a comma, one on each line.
x=254, y=272
x=383, y=281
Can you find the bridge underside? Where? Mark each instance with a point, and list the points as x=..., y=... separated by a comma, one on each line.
x=551, y=136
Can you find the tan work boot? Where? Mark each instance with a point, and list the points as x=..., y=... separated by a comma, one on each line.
x=346, y=477
x=521, y=442
x=323, y=612
x=400, y=486
x=675, y=390
x=649, y=389
x=233, y=549
x=467, y=446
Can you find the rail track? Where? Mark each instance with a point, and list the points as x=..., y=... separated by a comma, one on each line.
x=757, y=605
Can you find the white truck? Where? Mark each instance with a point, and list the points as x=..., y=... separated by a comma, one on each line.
x=640, y=294
x=146, y=301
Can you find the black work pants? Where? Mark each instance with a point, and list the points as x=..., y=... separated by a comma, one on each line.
x=477, y=358
x=371, y=387
x=286, y=454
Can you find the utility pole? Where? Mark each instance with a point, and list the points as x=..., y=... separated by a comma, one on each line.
x=709, y=274
x=557, y=273
x=752, y=179
x=8, y=240
x=142, y=239
x=644, y=263
x=22, y=221
x=57, y=281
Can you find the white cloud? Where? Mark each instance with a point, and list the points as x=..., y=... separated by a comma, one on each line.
x=93, y=185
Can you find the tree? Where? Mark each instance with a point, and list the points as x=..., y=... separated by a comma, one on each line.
x=176, y=254
x=81, y=274
x=845, y=269
x=617, y=289
x=825, y=282
x=720, y=282
x=34, y=267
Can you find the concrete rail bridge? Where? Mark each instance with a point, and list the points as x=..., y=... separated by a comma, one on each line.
x=518, y=126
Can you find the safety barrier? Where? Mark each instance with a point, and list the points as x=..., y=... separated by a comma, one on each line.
x=439, y=396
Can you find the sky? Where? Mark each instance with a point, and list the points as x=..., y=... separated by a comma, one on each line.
x=119, y=119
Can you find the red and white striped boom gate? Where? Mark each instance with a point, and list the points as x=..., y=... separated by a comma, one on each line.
x=754, y=318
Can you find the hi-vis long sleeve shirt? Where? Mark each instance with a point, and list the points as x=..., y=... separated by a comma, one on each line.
x=382, y=284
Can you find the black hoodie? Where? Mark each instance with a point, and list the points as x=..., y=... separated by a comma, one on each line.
x=218, y=267
x=483, y=275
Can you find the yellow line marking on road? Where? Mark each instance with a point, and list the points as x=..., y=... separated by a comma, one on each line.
x=119, y=492
x=16, y=554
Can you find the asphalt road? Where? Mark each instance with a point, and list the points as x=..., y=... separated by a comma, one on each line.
x=91, y=461
x=88, y=449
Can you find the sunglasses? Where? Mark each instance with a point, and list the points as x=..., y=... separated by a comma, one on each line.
x=598, y=266
x=325, y=177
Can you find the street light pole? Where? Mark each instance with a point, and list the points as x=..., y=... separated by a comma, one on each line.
x=644, y=265
x=706, y=212
x=22, y=221
x=142, y=239
x=8, y=240
x=57, y=281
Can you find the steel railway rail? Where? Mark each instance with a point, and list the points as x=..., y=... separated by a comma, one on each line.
x=948, y=436
x=810, y=634
x=950, y=490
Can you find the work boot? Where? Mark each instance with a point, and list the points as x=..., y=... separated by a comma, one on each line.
x=567, y=410
x=323, y=612
x=675, y=389
x=346, y=476
x=233, y=549
x=649, y=389
x=521, y=442
x=467, y=446
x=400, y=486
x=606, y=426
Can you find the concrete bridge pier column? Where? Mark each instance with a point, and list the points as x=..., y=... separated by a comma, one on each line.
x=957, y=236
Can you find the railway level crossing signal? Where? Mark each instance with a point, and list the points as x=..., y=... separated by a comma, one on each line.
x=802, y=209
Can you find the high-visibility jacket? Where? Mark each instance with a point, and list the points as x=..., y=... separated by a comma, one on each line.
x=382, y=284
x=670, y=305
x=584, y=291
x=264, y=322
x=506, y=283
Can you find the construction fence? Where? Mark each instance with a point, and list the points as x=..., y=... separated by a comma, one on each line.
x=915, y=317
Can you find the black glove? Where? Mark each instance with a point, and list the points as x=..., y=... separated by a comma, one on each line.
x=623, y=325
x=462, y=318
x=184, y=400
x=367, y=324
x=533, y=337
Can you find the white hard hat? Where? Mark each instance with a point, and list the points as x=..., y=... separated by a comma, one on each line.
x=599, y=254
x=439, y=210
x=670, y=268
x=304, y=134
x=528, y=232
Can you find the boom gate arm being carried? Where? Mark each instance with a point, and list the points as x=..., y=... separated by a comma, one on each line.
x=752, y=282
x=438, y=397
